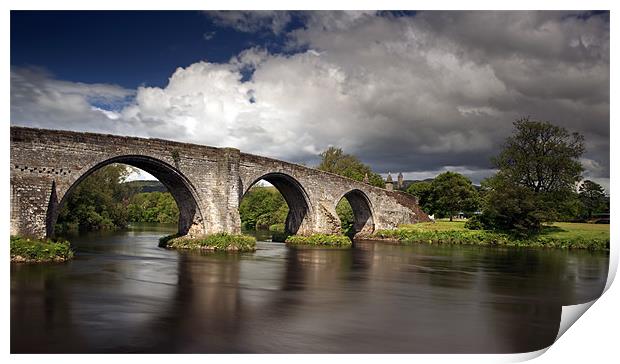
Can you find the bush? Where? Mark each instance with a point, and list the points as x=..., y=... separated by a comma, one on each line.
x=513, y=208
x=331, y=240
x=39, y=251
x=212, y=242
x=476, y=222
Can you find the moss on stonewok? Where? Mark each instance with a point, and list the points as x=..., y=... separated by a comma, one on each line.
x=28, y=250
x=212, y=242
x=323, y=240
x=489, y=238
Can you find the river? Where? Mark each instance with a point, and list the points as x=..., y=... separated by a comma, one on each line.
x=123, y=294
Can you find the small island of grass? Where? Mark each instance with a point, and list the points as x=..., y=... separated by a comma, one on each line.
x=212, y=242
x=29, y=250
x=324, y=240
x=557, y=235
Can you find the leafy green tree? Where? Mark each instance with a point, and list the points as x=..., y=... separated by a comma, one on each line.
x=538, y=169
x=571, y=208
x=345, y=213
x=592, y=196
x=262, y=207
x=422, y=191
x=334, y=160
x=541, y=157
x=510, y=206
x=98, y=202
x=451, y=193
x=153, y=207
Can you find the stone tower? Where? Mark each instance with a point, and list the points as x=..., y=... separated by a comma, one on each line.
x=389, y=184
x=401, y=182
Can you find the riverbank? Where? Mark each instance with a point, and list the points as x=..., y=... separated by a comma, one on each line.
x=27, y=250
x=213, y=242
x=557, y=235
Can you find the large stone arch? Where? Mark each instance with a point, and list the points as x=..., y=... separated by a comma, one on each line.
x=296, y=197
x=363, y=216
x=187, y=199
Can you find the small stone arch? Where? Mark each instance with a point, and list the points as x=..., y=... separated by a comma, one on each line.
x=363, y=215
x=295, y=195
x=190, y=216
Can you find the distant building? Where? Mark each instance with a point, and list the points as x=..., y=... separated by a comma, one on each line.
x=389, y=184
x=400, y=183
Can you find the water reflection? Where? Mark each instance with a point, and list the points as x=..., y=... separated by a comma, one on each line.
x=124, y=294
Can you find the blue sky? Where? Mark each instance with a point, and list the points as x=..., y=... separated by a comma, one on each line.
x=418, y=93
x=129, y=49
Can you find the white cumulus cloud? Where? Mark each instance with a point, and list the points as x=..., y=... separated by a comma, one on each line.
x=414, y=94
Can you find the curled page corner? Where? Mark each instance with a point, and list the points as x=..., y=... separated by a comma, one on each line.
x=613, y=267
x=570, y=314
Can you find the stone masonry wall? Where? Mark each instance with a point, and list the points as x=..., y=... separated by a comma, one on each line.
x=207, y=182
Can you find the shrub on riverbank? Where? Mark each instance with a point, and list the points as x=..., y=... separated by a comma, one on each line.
x=26, y=250
x=212, y=242
x=455, y=233
x=278, y=233
x=331, y=240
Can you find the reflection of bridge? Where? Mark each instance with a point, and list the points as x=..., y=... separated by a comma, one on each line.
x=206, y=182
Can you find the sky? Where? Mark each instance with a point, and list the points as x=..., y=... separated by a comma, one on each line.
x=412, y=92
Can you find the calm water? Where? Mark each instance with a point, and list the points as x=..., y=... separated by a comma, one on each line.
x=124, y=294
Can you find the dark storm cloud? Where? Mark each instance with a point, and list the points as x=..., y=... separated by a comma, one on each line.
x=417, y=94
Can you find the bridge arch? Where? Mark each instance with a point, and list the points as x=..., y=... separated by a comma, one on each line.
x=363, y=216
x=180, y=187
x=295, y=195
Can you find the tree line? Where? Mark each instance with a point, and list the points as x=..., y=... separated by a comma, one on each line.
x=104, y=201
x=538, y=180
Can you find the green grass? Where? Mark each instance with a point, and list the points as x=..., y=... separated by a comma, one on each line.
x=557, y=235
x=571, y=230
x=27, y=250
x=439, y=225
x=326, y=240
x=213, y=242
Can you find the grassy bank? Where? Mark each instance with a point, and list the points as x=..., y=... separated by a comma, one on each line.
x=326, y=240
x=26, y=250
x=213, y=242
x=558, y=235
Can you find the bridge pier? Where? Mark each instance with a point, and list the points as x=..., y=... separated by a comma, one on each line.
x=31, y=199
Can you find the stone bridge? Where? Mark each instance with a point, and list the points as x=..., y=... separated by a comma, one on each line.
x=207, y=183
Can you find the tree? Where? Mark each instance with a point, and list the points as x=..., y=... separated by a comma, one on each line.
x=345, y=213
x=262, y=207
x=99, y=201
x=509, y=206
x=592, y=196
x=422, y=191
x=451, y=193
x=538, y=169
x=334, y=160
x=541, y=157
x=155, y=207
